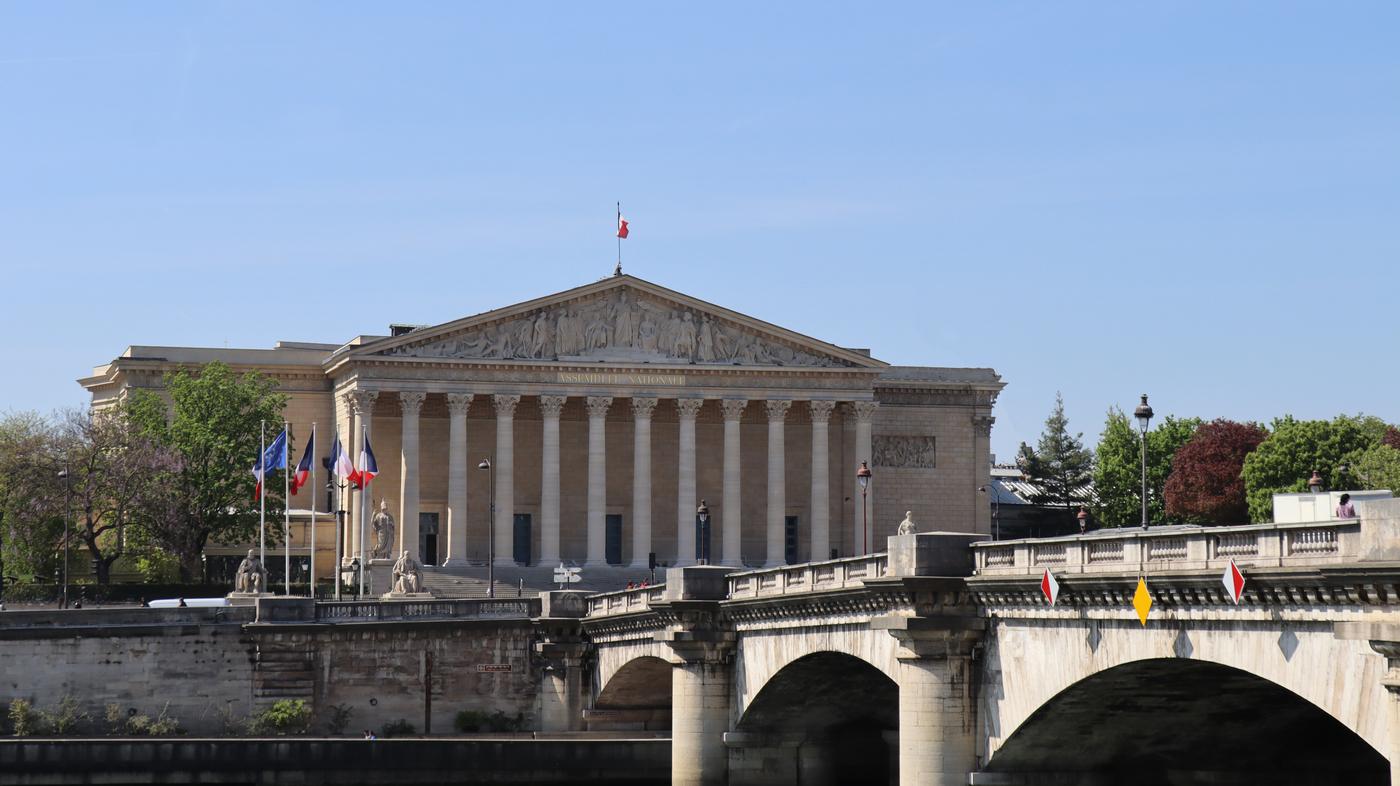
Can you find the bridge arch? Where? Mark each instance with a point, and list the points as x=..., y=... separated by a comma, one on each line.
x=825, y=717
x=1043, y=667
x=1171, y=720
x=762, y=654
x=638, y=696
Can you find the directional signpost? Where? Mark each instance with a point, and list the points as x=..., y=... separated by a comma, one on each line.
x=563, y=575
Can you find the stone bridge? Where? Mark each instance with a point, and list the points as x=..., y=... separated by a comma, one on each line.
x=939, y=661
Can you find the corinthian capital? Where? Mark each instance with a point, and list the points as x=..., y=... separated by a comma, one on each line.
x=865, y=410
x=777, y=409
x=642, y=407
x=411, y=403
x=362, y=401
x=458, y=403
x=820, y=409
x=551, y=406
x=733, y=408
x=598, y=406
x=505, y=404
x=689, y=407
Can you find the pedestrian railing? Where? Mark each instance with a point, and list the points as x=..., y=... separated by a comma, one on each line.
x=412, y=610
x=627, y=601
x=826, y=576
x=1174, y=548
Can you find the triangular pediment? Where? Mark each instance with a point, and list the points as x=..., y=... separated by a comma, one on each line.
x=622, y=320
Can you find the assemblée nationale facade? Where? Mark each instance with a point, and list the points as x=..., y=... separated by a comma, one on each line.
x=608, y=412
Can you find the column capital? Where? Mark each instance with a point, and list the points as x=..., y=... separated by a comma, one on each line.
x=820, y=409
x=551, y=406
x=777, y=408
x=733, y=408
x=598, y=406
x=411, y=402
x=864, y=411
x=505, y=404
x=689, y=408
x=458, y=403
x=642, y=406
x=362, y=401
x=983, y=424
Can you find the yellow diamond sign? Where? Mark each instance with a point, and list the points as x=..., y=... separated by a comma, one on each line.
x=1142, y=601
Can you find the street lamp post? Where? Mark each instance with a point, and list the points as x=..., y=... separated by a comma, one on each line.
x=67, y=506
x=703, y=513
x=335, y=500
x=863, y=478
x=1143, y=413
x=490, y=528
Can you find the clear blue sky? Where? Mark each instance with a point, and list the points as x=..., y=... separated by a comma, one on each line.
x=1195, y=200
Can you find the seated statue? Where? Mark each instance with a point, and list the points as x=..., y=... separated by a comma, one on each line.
x=907, y=526
x=251, y=577
x=408, y=575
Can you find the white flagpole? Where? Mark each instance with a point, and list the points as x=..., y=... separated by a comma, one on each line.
x=287, y=508
x=364, y=562
x=262, y=497
x=314, y=490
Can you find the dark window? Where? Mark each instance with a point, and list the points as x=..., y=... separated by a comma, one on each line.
x=428, y=538
x=612, y=538
x=522, y=538
x=790, y=540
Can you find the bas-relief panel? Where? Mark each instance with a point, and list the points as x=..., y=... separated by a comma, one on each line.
x=901, y=451
x=623, y=327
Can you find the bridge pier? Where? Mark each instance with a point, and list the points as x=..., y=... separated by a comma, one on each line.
x=560, y=648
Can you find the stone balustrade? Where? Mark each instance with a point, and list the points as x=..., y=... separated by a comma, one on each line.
x=456, y=609
x=838, y=574
x=628, y=601
x=1175, y=548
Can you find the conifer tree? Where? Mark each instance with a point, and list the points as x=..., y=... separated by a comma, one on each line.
x=1059, y=465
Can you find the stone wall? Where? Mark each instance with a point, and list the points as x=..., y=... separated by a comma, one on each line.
x=209, y=663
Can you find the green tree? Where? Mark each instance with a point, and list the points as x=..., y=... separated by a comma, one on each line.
x=1375, y=467
x=1059, y=466
x=1296, y=448
x=214, y=422
x=31, y=496
x=1118, y=467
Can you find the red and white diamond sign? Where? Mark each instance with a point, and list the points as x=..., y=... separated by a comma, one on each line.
x=1234, y=582
x=1049, y=587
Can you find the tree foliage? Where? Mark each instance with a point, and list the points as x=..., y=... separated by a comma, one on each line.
x=1205, y=485
x=1375, y=467
x=1295, y=449
x=1392, y=437
x=1118, y=467
x=31, y=498
x=1059, y=466
x=214, y=421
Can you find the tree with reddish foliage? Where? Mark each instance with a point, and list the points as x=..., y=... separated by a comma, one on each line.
x=1205, y=485
x=1391, y=438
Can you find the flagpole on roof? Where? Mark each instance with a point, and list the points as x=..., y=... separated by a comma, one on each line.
x=287, y=507
x=262, y=497
x=311, y=592
x=617, y=271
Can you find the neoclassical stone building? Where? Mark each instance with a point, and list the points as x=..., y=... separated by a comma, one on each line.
x=609, y=411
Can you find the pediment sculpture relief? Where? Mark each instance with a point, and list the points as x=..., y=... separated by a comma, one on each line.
x=620, y=327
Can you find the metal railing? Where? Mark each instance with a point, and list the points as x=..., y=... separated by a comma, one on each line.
x=1174, y=549
x=397, y=611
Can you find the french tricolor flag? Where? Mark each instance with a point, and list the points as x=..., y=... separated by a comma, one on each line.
x=341, y=465
x=368, y=467
x=303, y=471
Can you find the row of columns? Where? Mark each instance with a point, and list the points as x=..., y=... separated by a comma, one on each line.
x=361, y=404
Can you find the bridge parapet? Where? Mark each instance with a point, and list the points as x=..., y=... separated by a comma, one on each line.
x=629, y=601
x=1175, y=549
x=825, y=576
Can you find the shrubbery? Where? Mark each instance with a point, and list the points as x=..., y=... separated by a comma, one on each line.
x=473, y=721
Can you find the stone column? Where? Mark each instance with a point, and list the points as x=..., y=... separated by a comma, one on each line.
x=1390, y=648
x=642, y=408
x=561, y=649
x=457, y=404
x=820, y=509
x=504, y=520
x=550, y=407
x=732, y=506
x=597, y=478
x=702, y=645
x=362, y=402
x=864, y=412
x=348, y=537
x=410, y=404
x=686, y=501
x=777, y=481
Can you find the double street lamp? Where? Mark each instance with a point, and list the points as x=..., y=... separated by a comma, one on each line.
x=490, y=528
x=67, y=507
x=1143, y=413
x=863, y=478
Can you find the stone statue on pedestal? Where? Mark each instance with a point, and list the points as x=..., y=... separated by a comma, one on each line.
x=251, y=578
x=408, y=575
x=907, y=526
x=383, y=524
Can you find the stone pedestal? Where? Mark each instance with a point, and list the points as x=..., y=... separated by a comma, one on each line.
x=931, y=553
x=407, y=596
x=379, y=578
x=246, y=598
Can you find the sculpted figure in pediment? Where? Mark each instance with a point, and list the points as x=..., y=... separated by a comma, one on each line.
x=570, y=333
x=647, y=333
x=599, y=333
x=685, y=338
x=705, y=349
x=624, y=322
x=541, y=337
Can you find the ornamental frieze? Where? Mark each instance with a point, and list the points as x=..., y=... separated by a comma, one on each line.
x=618, y=327
x=903, y=451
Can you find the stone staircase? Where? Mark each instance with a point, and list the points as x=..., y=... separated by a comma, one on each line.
x=528, y=582
x=283, y=672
